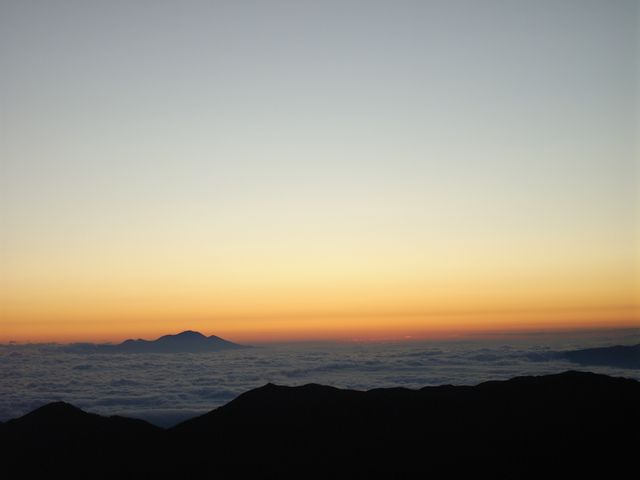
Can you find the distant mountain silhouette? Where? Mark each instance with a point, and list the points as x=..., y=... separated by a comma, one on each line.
x=184, y=342
x=569, y=424
x=622, y=356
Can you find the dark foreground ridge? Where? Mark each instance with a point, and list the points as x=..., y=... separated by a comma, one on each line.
x=572, y=423
x=184, y=342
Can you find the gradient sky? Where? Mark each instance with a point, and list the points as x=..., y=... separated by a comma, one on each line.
x=336, y=169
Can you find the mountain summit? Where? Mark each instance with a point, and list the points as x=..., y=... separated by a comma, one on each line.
x=184, y=342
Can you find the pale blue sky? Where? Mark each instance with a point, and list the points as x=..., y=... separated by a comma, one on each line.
x=457, y=127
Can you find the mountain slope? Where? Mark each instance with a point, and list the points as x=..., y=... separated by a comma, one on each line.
x=573, y=423
x=61, y=439
x=547, y=422
x=187, y=341
x=184, y=342
x=61, y=419
x=622, y=356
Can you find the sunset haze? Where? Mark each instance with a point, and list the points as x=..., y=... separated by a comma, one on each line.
x=270, y=171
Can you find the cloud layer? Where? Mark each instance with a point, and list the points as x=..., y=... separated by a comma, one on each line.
x=166, y=388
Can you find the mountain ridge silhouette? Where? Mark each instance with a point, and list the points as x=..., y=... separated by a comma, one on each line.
x=188, y=341
x=621, y=356
x=573, y=422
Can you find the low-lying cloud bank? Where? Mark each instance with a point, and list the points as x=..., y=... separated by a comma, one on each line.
x=167, y=388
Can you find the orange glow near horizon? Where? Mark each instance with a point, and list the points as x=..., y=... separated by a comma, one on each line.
x=464, y=176
x=318, y=299
x=321, y=297
x=353, y=328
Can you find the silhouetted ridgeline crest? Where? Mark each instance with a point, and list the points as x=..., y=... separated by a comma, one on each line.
x=573, y=423
x=184, y=342
x=622, y=356
x=61, y=419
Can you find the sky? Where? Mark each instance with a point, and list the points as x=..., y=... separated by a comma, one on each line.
x=310, y=170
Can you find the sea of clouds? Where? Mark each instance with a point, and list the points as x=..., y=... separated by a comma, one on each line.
x=167, y=388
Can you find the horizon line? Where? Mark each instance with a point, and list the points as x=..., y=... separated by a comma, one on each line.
x=440, y=336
